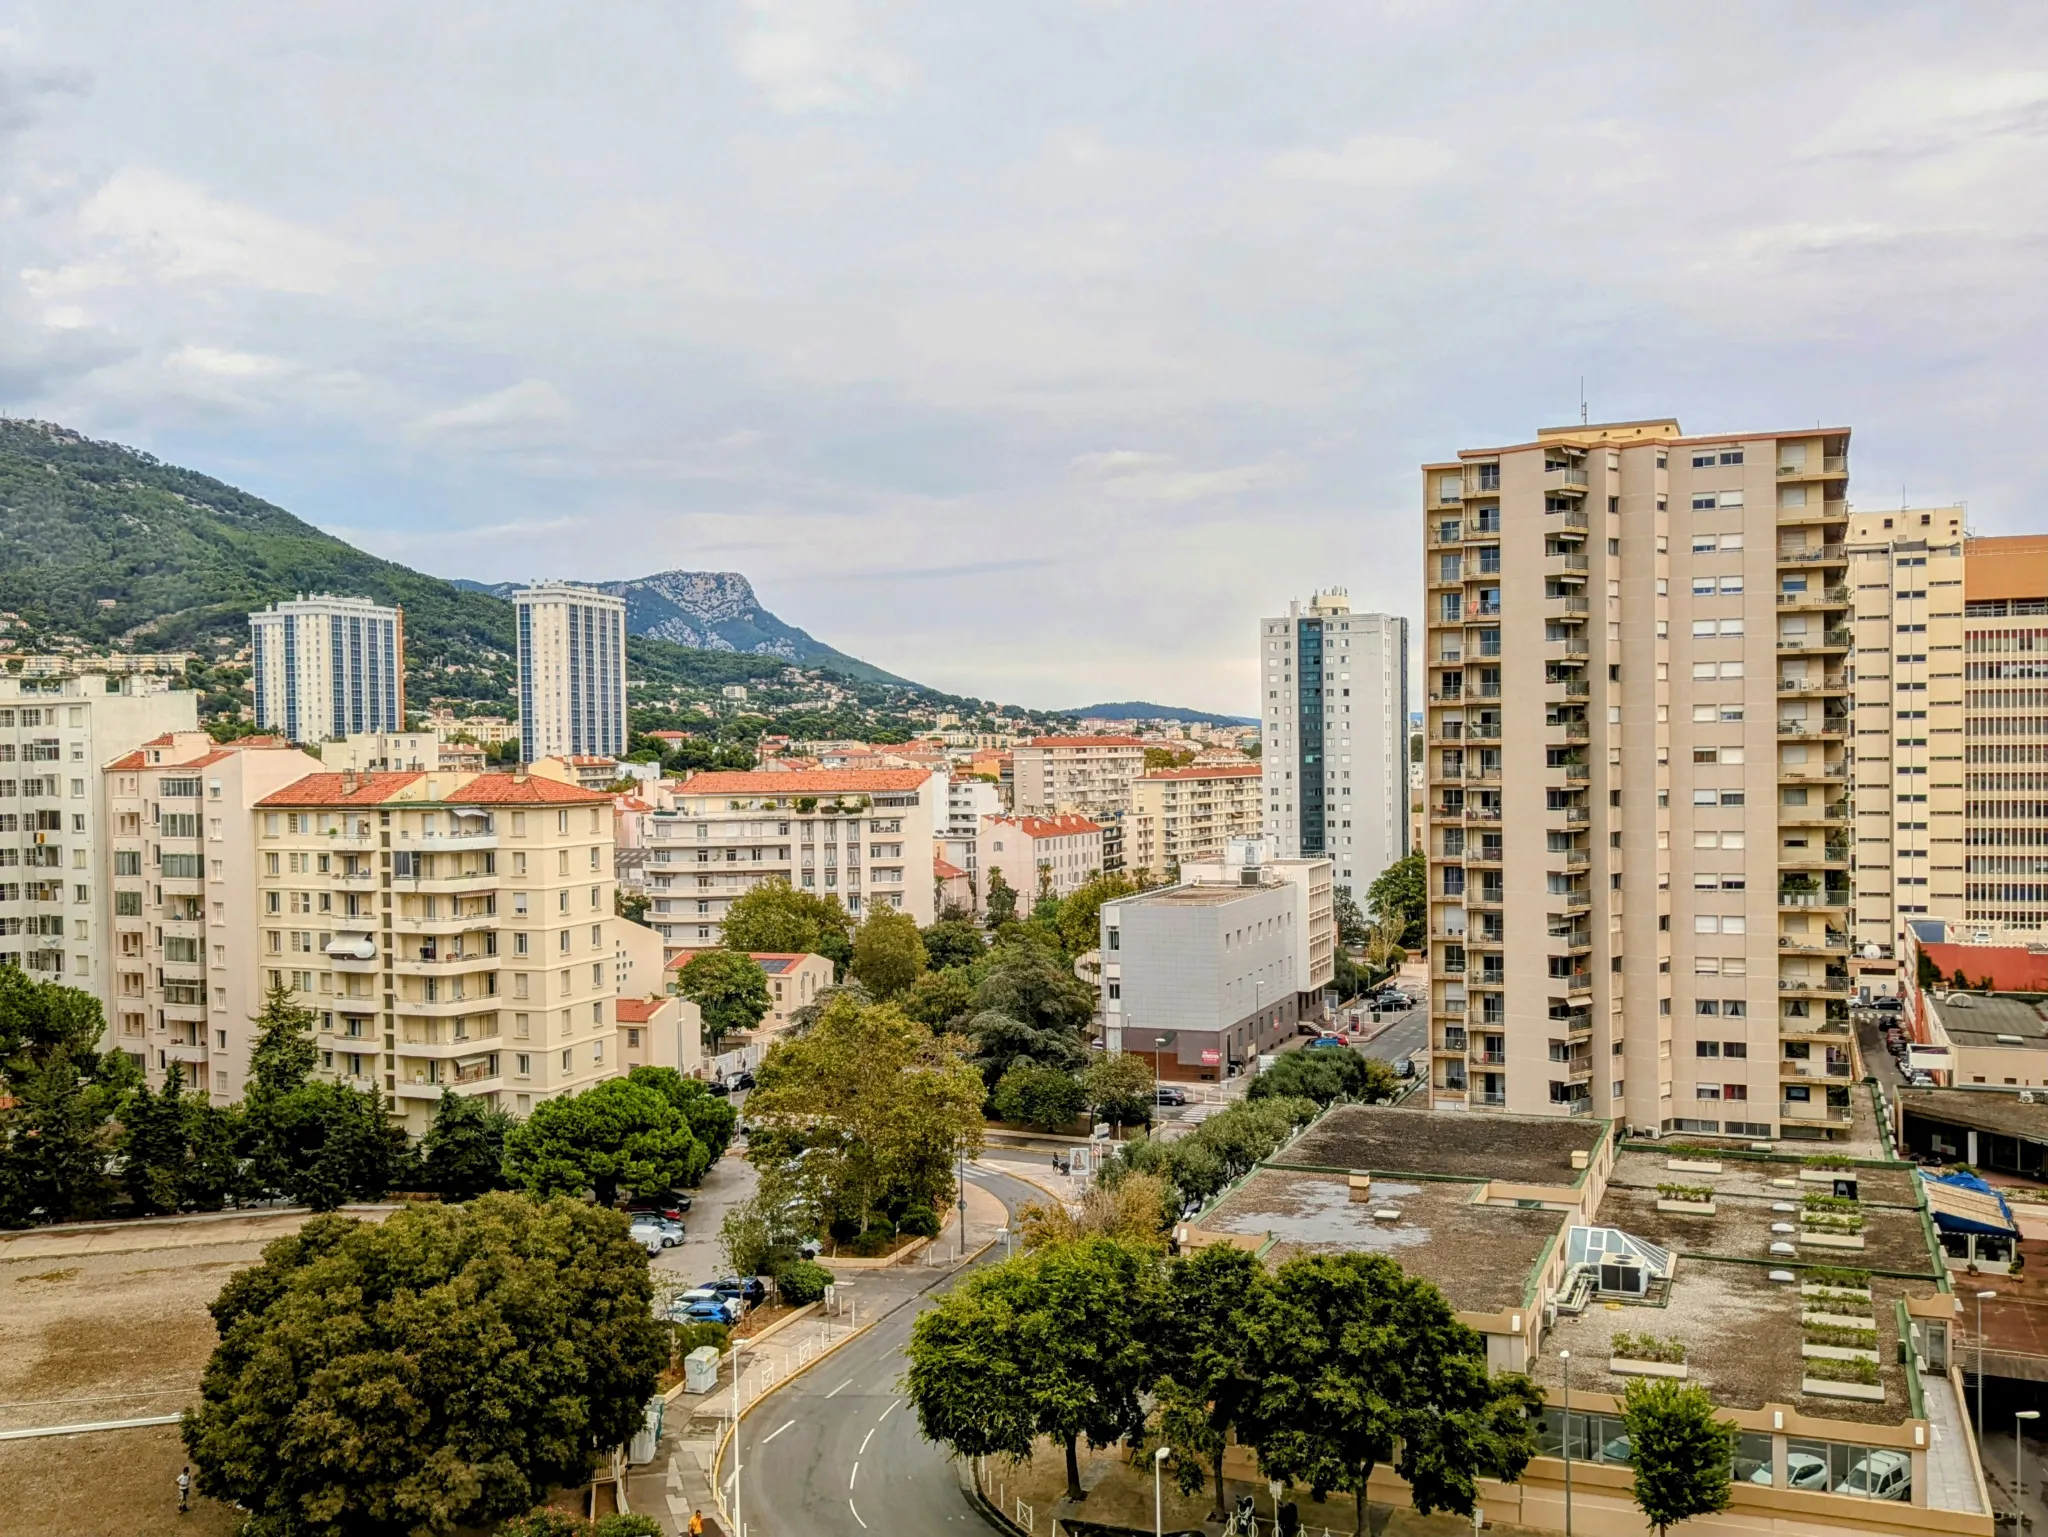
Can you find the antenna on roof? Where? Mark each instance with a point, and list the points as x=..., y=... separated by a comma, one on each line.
x=1582, y=400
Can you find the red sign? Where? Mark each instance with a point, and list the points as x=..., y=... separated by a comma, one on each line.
x=1211, y=1058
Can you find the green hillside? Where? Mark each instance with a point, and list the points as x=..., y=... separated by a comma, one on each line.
x=109, y=547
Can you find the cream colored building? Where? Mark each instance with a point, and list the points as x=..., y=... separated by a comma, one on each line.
x=1087, y=774
x=391, y=752
x=661, y=1032
x=325, y=666
x=451, y=930
x=1190, y=813
x=185, y=968
x=1639, y=863
x=572, y=671
x=1039, y=856
x=2005, y=731
x=863, y=836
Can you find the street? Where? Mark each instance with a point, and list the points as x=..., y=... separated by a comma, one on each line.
x=1401, y=1035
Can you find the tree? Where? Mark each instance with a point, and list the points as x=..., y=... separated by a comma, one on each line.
x=1359, y=1364
x=463, y=1152
x=1002, y=900
x=1041, y=1097
x=284, y=1055
x=1681, y=1452
x=213, y=1168
x=1402, y=891
x=633, y=906
x=1350, y=921
x=1050, y=1343
x=775, y=918
x=155, y=1135
x=1120, y=1089
x=953, y=942
x=939, y=997
x=729, y=989
x=442, y=1369
x=1080, y=915
x=1326, y=1076
x=1132, y=1211
x=61, y=1094
x=888, y=955
x=710, y=1118
x=615, y=1136
x=1203, y=1345
x=324, y=1143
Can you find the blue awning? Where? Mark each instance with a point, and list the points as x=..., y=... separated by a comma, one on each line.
x=1963, y=1203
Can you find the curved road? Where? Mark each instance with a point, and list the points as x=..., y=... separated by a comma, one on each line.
x=838, y=1449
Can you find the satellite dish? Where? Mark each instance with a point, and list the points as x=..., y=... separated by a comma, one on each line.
x=1872, y=953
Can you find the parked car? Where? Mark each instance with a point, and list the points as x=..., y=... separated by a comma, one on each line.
x=1803, y=1470
x=727, y=1310
x=667, y=1207
x=747, y=1290
x=659, y=1231
x=744, y=1081
x=1393, y=1001
x=1168, y=1094
x=719, y=1087
x=1880, y=1476
x=1886, y=1005
x=1405, y=1068
x=701, y=1313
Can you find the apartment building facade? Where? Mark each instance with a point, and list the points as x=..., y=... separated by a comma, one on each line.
x=185, y=967
x=1334, y=705
x=1040, y=856
x=451, y=931
x=326, y=666
x=1090, y=775
x=2005, y=732
x=55, y=732
x=1191, y=813
x=572, y=672
x=863, y=836
x=1637, y=731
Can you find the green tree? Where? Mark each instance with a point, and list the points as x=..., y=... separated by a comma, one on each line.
x=155, y=1144
x=213, y=1138
x=1681, y=1452
x=1080, y=915
x=1120, y=1089
x=1050, y=1343
x=1042, y=1097
x=711, y=1119
x=284, y=1055
x=953, y=942
x=1402, y=891
x=463, y=1152
x=1202, y=1344
x=1350, y=921
x=615, y=1136
x=888, y=955
x=938, y=998
x=440, y=1370
x=775, y=918
x=1326, y=1076
x=61, y=1094
x=1359, y=1364
x=729, y=989
x=633, y=906
x=1002, y=900
x=324, y=1143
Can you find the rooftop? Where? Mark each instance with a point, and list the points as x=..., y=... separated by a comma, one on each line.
x=1982, y=1019
x=350, y=788
x=1083, y=741
x=1984, y=1109
x=804, y=782
x=1384, y=1138
x=1245, y=770
x=637, y=1011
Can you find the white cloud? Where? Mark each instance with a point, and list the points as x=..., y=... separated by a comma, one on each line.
x=1924, y=112
x=1371, y=160
x=818, y=56
x=145, y=225
x=518, y=414
x=1160, y=478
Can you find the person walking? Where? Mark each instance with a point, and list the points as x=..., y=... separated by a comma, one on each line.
x=185, y=1490
x=696, y=1523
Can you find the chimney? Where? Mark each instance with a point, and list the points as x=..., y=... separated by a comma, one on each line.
x=348, y=781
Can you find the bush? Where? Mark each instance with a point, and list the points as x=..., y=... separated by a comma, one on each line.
x=1830, y=1275
x=621, y=1525
x=1839, y=1334
x=691, y=1337
x=919, y=1222
x=803, y=1283
x=1648, y=1347
x=1843, y=1371
x=844, y=1229
x=1686, y=1192
x=1818, y=1202
x=1827, y=1161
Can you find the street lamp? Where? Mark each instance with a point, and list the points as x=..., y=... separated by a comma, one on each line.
x=2019, y=1468
x=1982, y=1298
x=1158, y=1046
x=1566, y=1357
x=1158, y=1510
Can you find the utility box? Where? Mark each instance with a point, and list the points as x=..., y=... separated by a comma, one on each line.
x=647, y=1440
x=700, y=1369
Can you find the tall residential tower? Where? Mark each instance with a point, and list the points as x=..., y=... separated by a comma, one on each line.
x=572, y=672
x=324, y=667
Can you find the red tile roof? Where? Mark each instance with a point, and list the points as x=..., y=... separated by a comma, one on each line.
x=804, y=782
x=1049, y=827
x=1084, y=741
x=326, y=790
x=636, y=1011
x=781, y=960
x=372, y=789
x=1208, y=771
x=944, y=871
x=523, y=790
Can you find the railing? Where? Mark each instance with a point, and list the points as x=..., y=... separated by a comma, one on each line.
x=1832, y=941
x=1567, y=603
x=1813, y=685
x=1570, y=517
x=1821, y=554
x=1494, y=1100
x=1575, y=646
x=1574, y=688
x=1826, y=597
x=1826, y=1115
x=1565, y=476
x=1830, y=982
x=1482, y=611
x=1575, y=816
x=1577, y=1020
x=1835, y=897
x=1560, y=561
x=1809, y=729
x=1576, y=982
x=1490, y=1058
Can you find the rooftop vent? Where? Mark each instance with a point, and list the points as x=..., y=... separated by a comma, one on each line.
x=1786, y=1249
x=1783, y=1227
x=1783, y=1276
x=1387, y=1214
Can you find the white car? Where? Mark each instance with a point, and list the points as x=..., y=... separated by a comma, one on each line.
x=654, y=1236
x=1803, y=1470
x=1880, y=1476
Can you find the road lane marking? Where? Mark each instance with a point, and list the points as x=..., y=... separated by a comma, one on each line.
x=841, y=1388
x=778, y=1430
x=856, y=1514
x=886, y=1412
x=864, y=1441
x=853, y=1475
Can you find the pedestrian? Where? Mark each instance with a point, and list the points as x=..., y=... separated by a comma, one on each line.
x=696, y=1523
x=185, y=1490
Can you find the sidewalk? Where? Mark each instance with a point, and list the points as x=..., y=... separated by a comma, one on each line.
x=679, y=1479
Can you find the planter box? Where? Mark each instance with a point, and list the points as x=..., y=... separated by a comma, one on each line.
x=1820, y=1387
x=1824, y=1176
x=1832, y=1240
x=1685, y=1208
x=1626, y=1366
x=1832, y=1293
x=1838, y=1353
x=1691, y=1166
x=1837, y=1321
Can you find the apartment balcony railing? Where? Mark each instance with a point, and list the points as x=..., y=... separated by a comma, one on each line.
x=1839, y=638
x=1482, y=611
x=1574, y=816
x=1831, y=467
x=1570, y=688
x=1839, y=1071
x=1490, y=1058
x=1483, y=772
x=1491, y=1101
x=1815, y=555
x=1576, y=981
x=1839, y=896
x=1573, y=646
x=1555, y=564
x=1568, y=477
x=1832, y=940
x=1447, y=696
x=1483, y=855
x=1829, y=982
x=1578, y=859
x=1574, y=1022
x=1486, y=691
x=1811, y=1114
x=1483, y=528
x=1813, y=685
x=1574, y=730
x=1819, y=597
x=1821, y=1028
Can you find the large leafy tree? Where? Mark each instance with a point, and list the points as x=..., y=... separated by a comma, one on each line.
x=1120, y=1089
x=729, y=989
x=1050, y=1343
x=58, y=1135
x=1358, y=1365
x=710, y=1118
x=1203, y=1350
x=953, y=942
x=439, y=1371
x=775, y=918
x=463, y=1152
x=1680, y=1450
x=1042, y=1097
x=1326, y=1076
x=324, y=1143
x=155, y=1145
x=1401, y=892
x=939, y=997
x=1002, y=900
x=888, y=954
x=1080, y=912
x=616, y=1136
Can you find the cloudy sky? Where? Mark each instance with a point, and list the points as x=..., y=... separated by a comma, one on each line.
x=1031, y=350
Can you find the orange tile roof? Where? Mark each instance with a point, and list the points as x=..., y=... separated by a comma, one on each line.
x=944, y=871
x=636, y=1011
x=523, y=789
x=1049, y=827
x=760, y=958
x=373, y=789
x=1084, y=741
x=1208, y=771
x=803, y=782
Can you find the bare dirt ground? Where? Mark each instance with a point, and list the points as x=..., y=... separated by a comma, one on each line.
x=120, y=1483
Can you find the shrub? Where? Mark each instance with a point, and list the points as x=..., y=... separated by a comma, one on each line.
x=919, y=1222
x=1818, y=1202
x=1841, y=1334
x=1648, y=1347
x=691, y=1337
x=844, y=1229
x=1843, y=1371
x=619, y=1524
x=1828, y=1161
x=1832, y=1221
x=803, y=1283
x=545, y=1523
x=1832, y=1275
x=1686, y=1192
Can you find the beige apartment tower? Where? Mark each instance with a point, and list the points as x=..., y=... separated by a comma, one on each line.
x=1639, y=837
x=1183, y=814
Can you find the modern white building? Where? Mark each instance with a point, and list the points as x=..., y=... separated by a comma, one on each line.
x=1335, y=712
x=325, y=667
x=572, y=672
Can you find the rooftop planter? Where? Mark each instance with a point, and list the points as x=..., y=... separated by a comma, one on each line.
x=1843, y=1379
x=1646, y=1355
x=1686, y=1200
x=1692, y=1166
x=1818, y=1238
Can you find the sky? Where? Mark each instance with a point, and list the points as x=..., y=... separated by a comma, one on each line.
x=1032, y=351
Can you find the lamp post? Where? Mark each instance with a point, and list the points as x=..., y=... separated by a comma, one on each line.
x=1158, y=1509
x=2019, y=1468
x=1982, y=1298
x=737, y=1528
x=1158, y=1046
x=1566, y=1357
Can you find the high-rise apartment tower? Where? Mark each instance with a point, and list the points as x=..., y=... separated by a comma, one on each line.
x=324, y=667
x=1639, y=833
x=572, y=672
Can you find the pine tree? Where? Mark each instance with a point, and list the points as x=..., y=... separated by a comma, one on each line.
x=154, y=1146
x=284, y=1055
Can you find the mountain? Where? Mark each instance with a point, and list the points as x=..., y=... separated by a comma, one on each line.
x=713, y=611
x=103, y=546
x=1138, y=709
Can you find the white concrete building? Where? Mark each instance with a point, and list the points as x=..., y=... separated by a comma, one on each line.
x=1335, y=711
x=324, y=667
x=572, y=672
x=1087, y=774
x=1039, y=855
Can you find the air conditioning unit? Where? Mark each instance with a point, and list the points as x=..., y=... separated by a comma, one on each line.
x=1623, y=1277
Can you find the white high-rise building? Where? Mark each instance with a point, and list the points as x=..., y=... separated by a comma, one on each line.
x=324, y=667
x=572, y=672
x=1335, y=718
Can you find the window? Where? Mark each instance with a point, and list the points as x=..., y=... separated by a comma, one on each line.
x=1730, y=584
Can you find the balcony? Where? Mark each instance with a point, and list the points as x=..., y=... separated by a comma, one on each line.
x=1483, y=854
x=1810, y=1114
x=1834, y=685
x=1817, y=812
x=1567, y=647
x=1569, y=479
x=1573, y=730
x=1828, y=984
x=1478, y=611
x=1576, y=982
x=1829, y=853
x=1826, y=729
x=1489, y=1059
x=449, y=1008
x=1567, y=688
x=1817, y=1028
x=1839, y=638
x=1815, y=555
x=1495, y=1099
x=1565, y=603
x=1482, y=773
x=409, y=961
x=1830, y=467
x=1567, y=517
x=1839, y=1071
x=1576, y=771
x=458, y=841
x=1561, y=564
x=1838, y=896
x=1486, y=896
x=1578, y=859
x=1797, y=773
x=1834, y=940
x=192, y=1054
x=1574, y=816
x=1819, y=597
x=1577, y=1021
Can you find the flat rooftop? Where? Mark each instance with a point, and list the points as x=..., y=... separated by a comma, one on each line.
x=1480, y=1257
x=1979, y=1019
x=1384, y=1138
x=1208, y=894
x=1983, y=1109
